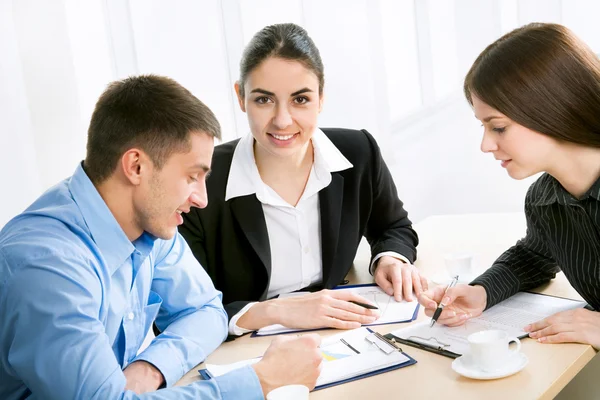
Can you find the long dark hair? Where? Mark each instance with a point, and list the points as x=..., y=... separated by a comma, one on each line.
x=287, y=41
x=543, y=77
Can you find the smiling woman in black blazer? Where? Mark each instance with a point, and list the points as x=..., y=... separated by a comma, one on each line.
x=289, y=203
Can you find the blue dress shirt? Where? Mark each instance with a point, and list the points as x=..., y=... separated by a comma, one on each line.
x=77, y=298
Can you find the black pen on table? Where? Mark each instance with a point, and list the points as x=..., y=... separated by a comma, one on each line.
x=441, y=306
x=365, y=305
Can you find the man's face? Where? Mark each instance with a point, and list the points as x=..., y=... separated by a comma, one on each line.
x=180, y=184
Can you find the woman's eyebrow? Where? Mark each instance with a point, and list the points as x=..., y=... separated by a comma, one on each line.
x=491, y=117
x=263, y=91
x=304, y=90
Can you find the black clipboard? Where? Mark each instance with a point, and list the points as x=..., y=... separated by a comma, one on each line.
x=431, y=348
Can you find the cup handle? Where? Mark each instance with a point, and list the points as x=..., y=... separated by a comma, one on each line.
x=518, y=342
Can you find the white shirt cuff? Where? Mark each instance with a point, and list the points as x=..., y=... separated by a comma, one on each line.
x=233, y=328
x=386, y=253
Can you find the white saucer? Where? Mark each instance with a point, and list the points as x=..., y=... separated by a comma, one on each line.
x=442, y=278
x=462, y=366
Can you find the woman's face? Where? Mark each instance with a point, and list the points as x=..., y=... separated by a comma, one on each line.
x=282, y=102
x=522, y=151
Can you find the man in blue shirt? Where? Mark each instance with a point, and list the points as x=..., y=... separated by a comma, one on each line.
x=91, y=264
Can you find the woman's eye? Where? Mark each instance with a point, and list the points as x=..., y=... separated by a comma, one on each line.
x=499, y=130
x=193, y=179
x=301, y=100
x=262, y=100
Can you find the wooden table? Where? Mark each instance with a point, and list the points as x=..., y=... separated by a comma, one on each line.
x=550, y=367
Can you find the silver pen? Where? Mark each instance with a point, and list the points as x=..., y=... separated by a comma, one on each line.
x=441, y=306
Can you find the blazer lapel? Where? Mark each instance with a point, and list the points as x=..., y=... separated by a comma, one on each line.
x=330, y=200
x=249, y=214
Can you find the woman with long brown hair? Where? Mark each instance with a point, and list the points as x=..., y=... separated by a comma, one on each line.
x=536, y=91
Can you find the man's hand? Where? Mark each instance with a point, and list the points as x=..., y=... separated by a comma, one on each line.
x=398, y=278
x=290, y=361
x=461, y=303
x=571, y=326
x=142, y=377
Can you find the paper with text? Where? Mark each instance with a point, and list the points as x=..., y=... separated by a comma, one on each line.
x=390, y=310
x=510, y=315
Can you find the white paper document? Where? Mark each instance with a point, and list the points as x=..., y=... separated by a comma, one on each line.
x=390, y=310
x=510, y=315
x=346, y=355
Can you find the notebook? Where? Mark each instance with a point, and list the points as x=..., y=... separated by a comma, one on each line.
x=510, y=315
x=390, y=310
x=348, y=356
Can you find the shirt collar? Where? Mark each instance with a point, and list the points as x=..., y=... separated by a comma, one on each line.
x=106, y=232
x=551, y=191
x=244, y=178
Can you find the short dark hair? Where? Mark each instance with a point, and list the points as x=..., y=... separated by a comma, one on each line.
x=153, y=113
x=286, y=41
x=543, y=77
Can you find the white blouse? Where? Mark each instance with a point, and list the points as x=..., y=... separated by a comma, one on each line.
x=294, y=232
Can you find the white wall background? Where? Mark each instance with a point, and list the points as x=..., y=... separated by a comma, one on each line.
x=393, y=67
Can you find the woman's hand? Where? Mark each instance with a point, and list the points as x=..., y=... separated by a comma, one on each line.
x=324, y=309
x=571, y=326
x=327, y=308
x=461, y=303
x=398, y=278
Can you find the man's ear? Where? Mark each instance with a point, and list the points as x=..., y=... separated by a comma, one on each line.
x=134, y=163
x=240, y=98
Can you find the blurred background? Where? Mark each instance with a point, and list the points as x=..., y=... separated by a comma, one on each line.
x=394, y=67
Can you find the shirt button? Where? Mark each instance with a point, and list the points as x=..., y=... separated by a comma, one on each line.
x=306, y=249
x=130, y=316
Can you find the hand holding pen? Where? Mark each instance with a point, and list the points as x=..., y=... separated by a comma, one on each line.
x=441, y=306
x=458, y=303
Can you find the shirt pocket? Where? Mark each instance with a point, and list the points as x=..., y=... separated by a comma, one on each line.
x=151, y=310
x=136, y=326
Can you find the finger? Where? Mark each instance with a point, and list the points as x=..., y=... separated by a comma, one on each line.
x=430, y=298
x=312, y=339
x=282, y=339
x=396, y=278
x=561, y=337
x=407, y=284
x=457, y=320
x=417, y=284
x=346, y=296
x=536, y=326
x=450, y=295
x=382, y=280
x=424, y=283
x=552, y=329
x=559, y=317
x=446, y=314
x=346, y=315
x=339, y=324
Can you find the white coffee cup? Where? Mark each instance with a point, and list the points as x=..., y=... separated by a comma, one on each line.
x=459, y=264
x=489, y=350
x=289, y=392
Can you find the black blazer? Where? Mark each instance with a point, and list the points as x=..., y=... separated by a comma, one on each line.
x=230, y=239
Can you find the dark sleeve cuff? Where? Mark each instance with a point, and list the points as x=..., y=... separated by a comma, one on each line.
x=499, y=283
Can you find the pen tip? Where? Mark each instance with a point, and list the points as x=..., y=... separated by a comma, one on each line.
x=431, y=323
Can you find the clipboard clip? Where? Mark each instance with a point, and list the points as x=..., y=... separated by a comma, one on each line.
x=384, y=344
x=440, y=346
